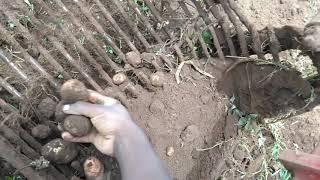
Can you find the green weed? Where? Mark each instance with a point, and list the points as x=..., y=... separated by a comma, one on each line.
x=143, y=7
x=30, y=5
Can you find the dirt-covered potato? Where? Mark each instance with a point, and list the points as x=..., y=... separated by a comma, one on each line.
x=77, y=125
x=93, y=168
x=59, y=115
x=133, y=58
x=41, y=131
x=119, y=78
x=157, y=79
x=47, y=107
x=59, y=151
x=73, y=90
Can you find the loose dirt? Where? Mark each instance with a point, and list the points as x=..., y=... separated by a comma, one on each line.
x=189, y=124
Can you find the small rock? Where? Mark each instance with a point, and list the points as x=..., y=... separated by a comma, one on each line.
x=170, y=151
x=133, y=58
x=47, y=107
x=41, y=131
x=190, y=133
x=59, y=151
x=156, y=106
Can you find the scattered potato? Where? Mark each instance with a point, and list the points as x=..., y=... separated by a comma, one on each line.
x=93, y=168
x=77, y=125
x=119, y=78
x=157, y=79
x=73, y=90
x=133, y=58
x=59, y=151
x=59, y=115
x=41, y=131
x=47, y=107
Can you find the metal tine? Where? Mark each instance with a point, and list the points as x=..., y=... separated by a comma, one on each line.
x=86, y=12
x=134, y=27
x=23, y=75
x=68, y=35
x=13, y=91
x=145, y=21
x=6, y=35
x=222, y=20
x=86, y=33
x=41, y=49
x=63, y=51
x=237, y=24
x=116, y=26
x=251, y=27
x=208, y=22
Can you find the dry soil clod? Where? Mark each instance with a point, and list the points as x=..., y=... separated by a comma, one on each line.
x=77, y=125
x=73, y=90
x=41, y=131
x=156, y=106
x=47, y=107
x=59, y=151
x=190, y=133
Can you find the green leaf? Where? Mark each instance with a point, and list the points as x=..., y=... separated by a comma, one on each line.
x=8, y=178
x=275, y=151
x=60, y=76
x=207, y=37
x=242, y=121
x=285, y=174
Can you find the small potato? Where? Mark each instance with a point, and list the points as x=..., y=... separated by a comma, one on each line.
x=133, y=58
x=59, y=151
x=157, y=79
x=41, y=131
x=77, y=125
x=93, y=168
x=73, y=90
x=119, y=78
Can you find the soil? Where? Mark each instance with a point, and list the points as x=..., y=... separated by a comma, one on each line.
x=188, y=124
x=265, y=89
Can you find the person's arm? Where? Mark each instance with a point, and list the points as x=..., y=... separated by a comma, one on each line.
x=137, y=159
x=115, y=134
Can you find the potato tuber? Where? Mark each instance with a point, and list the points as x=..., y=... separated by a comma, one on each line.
x=93, y=169
x=47, y=107
x=157, y=79
x=73, y=90
x=119, y=78
x=41, y=131
x=77, y=125
x=59, y=151
x=133, y=58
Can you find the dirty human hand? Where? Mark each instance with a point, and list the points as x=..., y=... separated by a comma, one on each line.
x=115, y=134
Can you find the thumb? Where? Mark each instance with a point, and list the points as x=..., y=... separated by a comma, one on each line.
x=84, y=139
x=84, y=108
